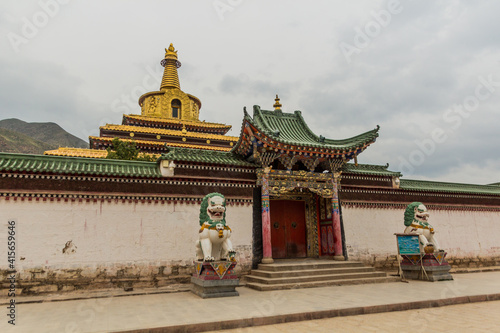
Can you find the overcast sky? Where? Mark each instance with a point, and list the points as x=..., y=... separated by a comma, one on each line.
x=427, y=72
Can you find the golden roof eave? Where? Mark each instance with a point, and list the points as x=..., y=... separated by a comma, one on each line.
x=185, y=145
x=160, y=131
x=179, y=121
x=88, y=153
x=161, y=144
x=77, y=152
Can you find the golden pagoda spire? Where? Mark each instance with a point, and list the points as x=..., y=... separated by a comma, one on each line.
x=277, y=105
x=170, y=77
x=170, y=102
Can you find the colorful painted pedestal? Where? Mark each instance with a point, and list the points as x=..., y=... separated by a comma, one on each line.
x=434, y=264
x=215, y=279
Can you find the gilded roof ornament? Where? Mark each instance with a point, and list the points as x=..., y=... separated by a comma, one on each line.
x=277, y=105
x=171, y=53
x=170, y=77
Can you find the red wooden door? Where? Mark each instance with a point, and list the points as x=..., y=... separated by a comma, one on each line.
x=288, y=228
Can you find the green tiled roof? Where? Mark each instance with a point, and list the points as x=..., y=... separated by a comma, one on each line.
x=370, y=169
x=205, y=156
x=290, y=128
x=424, y=186
x=77, y=165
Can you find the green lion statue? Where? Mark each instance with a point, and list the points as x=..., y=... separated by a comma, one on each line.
x=214, y=243
x=416, y=217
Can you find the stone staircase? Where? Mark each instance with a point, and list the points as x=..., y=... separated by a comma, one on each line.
x=310, y=273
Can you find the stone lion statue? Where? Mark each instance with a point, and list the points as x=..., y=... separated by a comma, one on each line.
x=214, y=243
x=416, y=217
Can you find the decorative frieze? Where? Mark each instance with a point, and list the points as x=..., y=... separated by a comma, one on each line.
x=110, y=197
x=365, y=190
x=398, y=206
x=216, y=168
x=369, y=177
x=311, y=163
x=177, y=181
x=281, y=181
x=288, y=161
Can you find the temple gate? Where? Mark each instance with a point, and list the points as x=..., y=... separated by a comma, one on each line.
x=299, y=179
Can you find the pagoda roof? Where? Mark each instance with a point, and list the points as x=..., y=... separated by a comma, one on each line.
x=202, y=147
x=432, y=186
x=289, y=131
x=369, y=169
x=77, y=152
x=204, y=156
x=158, y=143
x=161, y=131
x=292, y=129
x=191, y=125
x=77, y=165
x=84, y=152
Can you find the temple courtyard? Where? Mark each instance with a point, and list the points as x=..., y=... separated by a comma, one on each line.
x=468, y=303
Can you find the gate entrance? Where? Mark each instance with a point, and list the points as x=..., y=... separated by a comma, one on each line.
x=288, y=229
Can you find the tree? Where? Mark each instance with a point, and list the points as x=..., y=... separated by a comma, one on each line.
x=122, y=150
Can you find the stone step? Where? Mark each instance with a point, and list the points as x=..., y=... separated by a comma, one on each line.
x=313, y=278
x=292, y=265
x=308, y=272
x=315, y=284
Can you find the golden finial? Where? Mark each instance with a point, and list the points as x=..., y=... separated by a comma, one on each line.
x=277, y=105
x=170, y=77
x=184, y=131
x=171, y=52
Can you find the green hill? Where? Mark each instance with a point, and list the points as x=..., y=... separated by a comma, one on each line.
x=14, y=142
x=17, y=136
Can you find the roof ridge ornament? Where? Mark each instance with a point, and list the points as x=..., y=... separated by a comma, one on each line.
x=171, y=51
x=277, y=105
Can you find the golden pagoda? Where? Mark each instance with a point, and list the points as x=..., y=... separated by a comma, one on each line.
x=169, y=118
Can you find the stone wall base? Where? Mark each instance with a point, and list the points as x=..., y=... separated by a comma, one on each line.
x=44, y=280
x=458, y=264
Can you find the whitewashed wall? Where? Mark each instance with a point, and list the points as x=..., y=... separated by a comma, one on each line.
x=111, y=236
x=369, y=232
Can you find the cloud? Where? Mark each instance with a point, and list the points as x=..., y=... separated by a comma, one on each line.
x=426, y=60
x=243, y=84
x=44, y=92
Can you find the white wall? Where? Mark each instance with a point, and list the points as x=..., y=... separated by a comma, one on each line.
x=111, y=235
x=369, y=232
x=468, y=233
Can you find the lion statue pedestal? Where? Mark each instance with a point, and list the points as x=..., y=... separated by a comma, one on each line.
x=435, y=265
x=430, y=264
x=214, y=276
